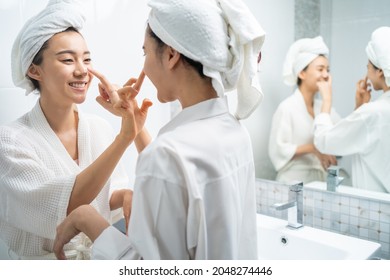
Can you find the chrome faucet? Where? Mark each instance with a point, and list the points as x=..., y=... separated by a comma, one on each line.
x=294, y=205
x=333, y=180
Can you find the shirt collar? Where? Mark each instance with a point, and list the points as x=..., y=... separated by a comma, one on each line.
x=202, y=110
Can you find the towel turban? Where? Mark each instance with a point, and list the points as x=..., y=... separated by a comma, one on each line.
x=301, y=53
x=223, y=35
x=56, y=17
x=378, y=51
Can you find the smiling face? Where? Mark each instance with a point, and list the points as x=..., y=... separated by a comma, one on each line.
x=63, y=75
x=316, y=71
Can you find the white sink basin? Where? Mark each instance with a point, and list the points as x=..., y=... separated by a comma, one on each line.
x=277, y=242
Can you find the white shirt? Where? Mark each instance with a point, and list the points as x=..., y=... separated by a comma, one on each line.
x=194, y=194
x=292, y=126
x=365, y=134
x=37, y=176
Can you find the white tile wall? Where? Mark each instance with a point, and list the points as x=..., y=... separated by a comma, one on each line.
x=365, y=218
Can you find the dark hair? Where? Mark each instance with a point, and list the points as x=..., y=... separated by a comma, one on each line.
x=376, y=68
x=299, y=81
x=38, y=58
x=161, y=45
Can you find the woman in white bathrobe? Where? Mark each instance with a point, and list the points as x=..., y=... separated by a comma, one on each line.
x=194, y=194
x=365, y=133
x=291, y=147
x=55, y=158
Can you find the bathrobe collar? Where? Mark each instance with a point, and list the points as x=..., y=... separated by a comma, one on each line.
x=41, y=125
x=203, y=110
x=384, y=95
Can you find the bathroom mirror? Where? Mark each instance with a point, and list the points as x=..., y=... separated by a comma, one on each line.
x=345, y=25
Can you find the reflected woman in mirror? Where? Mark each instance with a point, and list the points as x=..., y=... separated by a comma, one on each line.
x=365, y=133
x=291, y=147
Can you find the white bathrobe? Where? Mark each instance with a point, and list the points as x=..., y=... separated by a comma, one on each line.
x=36, y=179
x=365, y=134
x=292, y=126
x=194, y=195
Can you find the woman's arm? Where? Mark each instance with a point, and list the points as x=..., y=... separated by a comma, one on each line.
x=83, y=219
x=90, y=181
x=142, y=140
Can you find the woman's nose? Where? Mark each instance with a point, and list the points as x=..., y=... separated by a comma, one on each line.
x=81, y=70
x=325, y=73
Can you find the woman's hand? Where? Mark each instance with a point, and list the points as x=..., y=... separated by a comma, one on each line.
x=325, y=89
x=326, y=160
x=122, y=102
x=363, y=92
x=83, y=219
x=122, y=198
x=105, y=101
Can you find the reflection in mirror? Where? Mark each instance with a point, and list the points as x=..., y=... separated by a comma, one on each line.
x=346, y=28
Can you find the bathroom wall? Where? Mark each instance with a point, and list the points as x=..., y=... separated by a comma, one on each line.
x=307, y=18
x=365, y=218
x=346, y=26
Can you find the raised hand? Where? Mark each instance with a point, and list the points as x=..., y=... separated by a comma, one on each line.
x=122, y=102
x=325, y=89
x=363, y=92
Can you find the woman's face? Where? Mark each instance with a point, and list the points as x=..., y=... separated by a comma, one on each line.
x=63, y=74
x=317, y=71
x=156, y=70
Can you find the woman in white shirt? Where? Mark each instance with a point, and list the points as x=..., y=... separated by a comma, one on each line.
x=291, y=147
x=194, y=193
x=365, y=133
x=56, y=158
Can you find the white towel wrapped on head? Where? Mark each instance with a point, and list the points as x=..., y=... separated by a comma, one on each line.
x=300, y=54
x=56, y=17
x=378, y=51
x=222, y=35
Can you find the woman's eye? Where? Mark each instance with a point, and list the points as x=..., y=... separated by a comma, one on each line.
x=67, y=60
x=87, y=60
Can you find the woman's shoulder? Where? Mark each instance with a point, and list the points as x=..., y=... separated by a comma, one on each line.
x=16, y=134
x=18, y=126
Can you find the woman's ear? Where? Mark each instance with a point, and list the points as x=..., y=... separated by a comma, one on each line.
x=302, y=75
x=173, y=57
x=33, y=72
x=381, y=74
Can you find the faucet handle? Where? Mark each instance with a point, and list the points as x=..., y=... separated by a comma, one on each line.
x=333, y=170
x=296, y=186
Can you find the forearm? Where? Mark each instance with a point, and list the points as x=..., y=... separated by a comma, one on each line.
x=90, y=181
x=116, y=200
x=142, y=140
x=90, y=222
x=304, y=149
x=326, y=105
